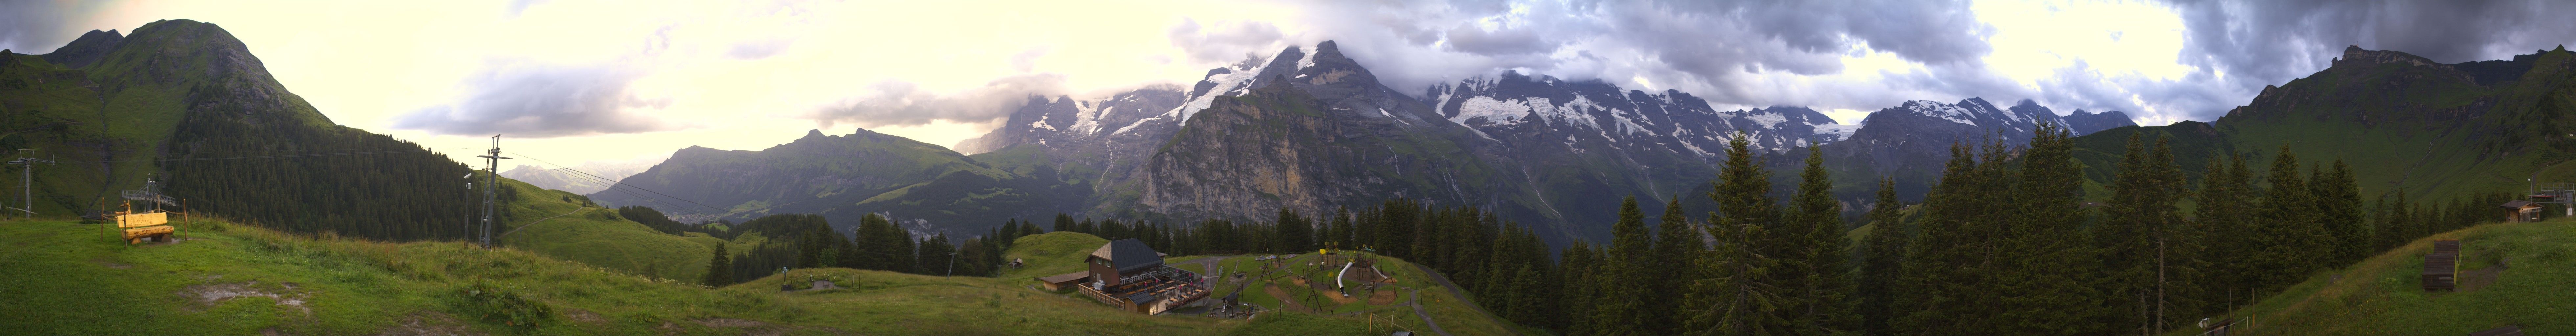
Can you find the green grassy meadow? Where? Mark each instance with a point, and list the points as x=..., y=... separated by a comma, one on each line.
x=229, y=279
x=2383, y=295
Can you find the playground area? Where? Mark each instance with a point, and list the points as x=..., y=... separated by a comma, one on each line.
x=1338, y=283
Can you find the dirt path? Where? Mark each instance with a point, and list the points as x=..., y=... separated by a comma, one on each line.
x=540, y=220
x=1208, y=270
x=1284, y=300
x=1463, y=296
x=1426, y=316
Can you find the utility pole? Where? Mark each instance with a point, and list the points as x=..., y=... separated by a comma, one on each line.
x=26, y=182
x=492, y=181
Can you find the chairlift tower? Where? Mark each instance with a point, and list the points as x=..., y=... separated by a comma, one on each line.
x=150, y=195
x=2561, y=194
x=492, y=181
x=26, y=183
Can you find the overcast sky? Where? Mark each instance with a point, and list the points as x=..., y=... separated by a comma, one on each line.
x=569, y=81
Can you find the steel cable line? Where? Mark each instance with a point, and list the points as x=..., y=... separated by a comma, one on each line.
x=255, y=157
x=616, y=183
x=597, y=178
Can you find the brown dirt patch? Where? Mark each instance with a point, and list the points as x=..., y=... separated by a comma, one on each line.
x=428, y=324
x=1382, y=298
x=584, y=316
x=1337, y=297
x=2471, y=281
x=730, y=323
x=207, y=296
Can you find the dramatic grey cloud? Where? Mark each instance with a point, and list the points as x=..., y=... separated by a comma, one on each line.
x=1726, y=51
x=1757, y=53
x=902, y=103
x=1224, y=43
x=37, y=27
x=529, y=100
x=2257, y=43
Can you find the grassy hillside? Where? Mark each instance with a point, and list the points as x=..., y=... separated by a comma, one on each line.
x=559, y=224
x=2527, y=268
x=845, y=177
x=185, y=104
x=228, y=279
x=1063, y=252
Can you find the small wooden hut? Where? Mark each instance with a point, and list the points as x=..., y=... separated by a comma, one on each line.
x=2442, y=267
x=2521, y=211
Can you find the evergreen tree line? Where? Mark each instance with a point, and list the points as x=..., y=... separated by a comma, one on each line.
x=2002, y=245
x=1756, y=266
x=657, y=220
x=385, y=191
x=1505, y=267
x=808, y=241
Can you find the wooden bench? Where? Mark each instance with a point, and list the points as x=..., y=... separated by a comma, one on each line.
x=2442, y=267
x=139, y=227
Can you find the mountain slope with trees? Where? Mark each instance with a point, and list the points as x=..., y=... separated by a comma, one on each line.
x=184, y=104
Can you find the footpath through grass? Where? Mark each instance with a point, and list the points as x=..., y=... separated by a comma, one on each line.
x=2529, y=281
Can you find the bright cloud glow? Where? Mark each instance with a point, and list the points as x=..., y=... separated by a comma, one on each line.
x=603, y=80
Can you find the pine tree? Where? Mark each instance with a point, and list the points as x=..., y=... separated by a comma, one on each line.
x=1676, y=241
x=2339, y=210
x=2225, y=205
x=935, y=256
x=2146, y=243
x=1622, y=308
x=1527, y=288
x=2049, y=267
x=1881, y=257
x=1342, y=229
x=1582, y=265
x=2287, y=233
x=1292, y=231
x=1940, y=285
x=719, y=268
x=1823, y=282
x=1739, y=298
x=2402, y=225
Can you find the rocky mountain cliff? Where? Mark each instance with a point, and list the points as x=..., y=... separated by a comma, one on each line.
x=583, y=179
x=1909, y=142
x=2085, y=122
x=844, y=177
x=1534, y=147
x=1311, y=130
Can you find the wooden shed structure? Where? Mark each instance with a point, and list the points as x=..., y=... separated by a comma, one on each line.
x=2442, y=267
x=1062, y=281
x=2521, y=211
x=1129, y=275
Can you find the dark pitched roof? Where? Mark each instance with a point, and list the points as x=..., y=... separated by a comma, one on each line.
x=2516, y=204
x=1128, y=254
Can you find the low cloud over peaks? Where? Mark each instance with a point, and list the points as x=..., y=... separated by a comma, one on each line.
x=903, y=103
x=528, y=100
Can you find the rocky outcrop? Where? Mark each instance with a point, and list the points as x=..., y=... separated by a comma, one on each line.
x=86, y=50
x=2083, y=122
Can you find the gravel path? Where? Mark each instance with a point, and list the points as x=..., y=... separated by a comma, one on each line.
x=1426, y=316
